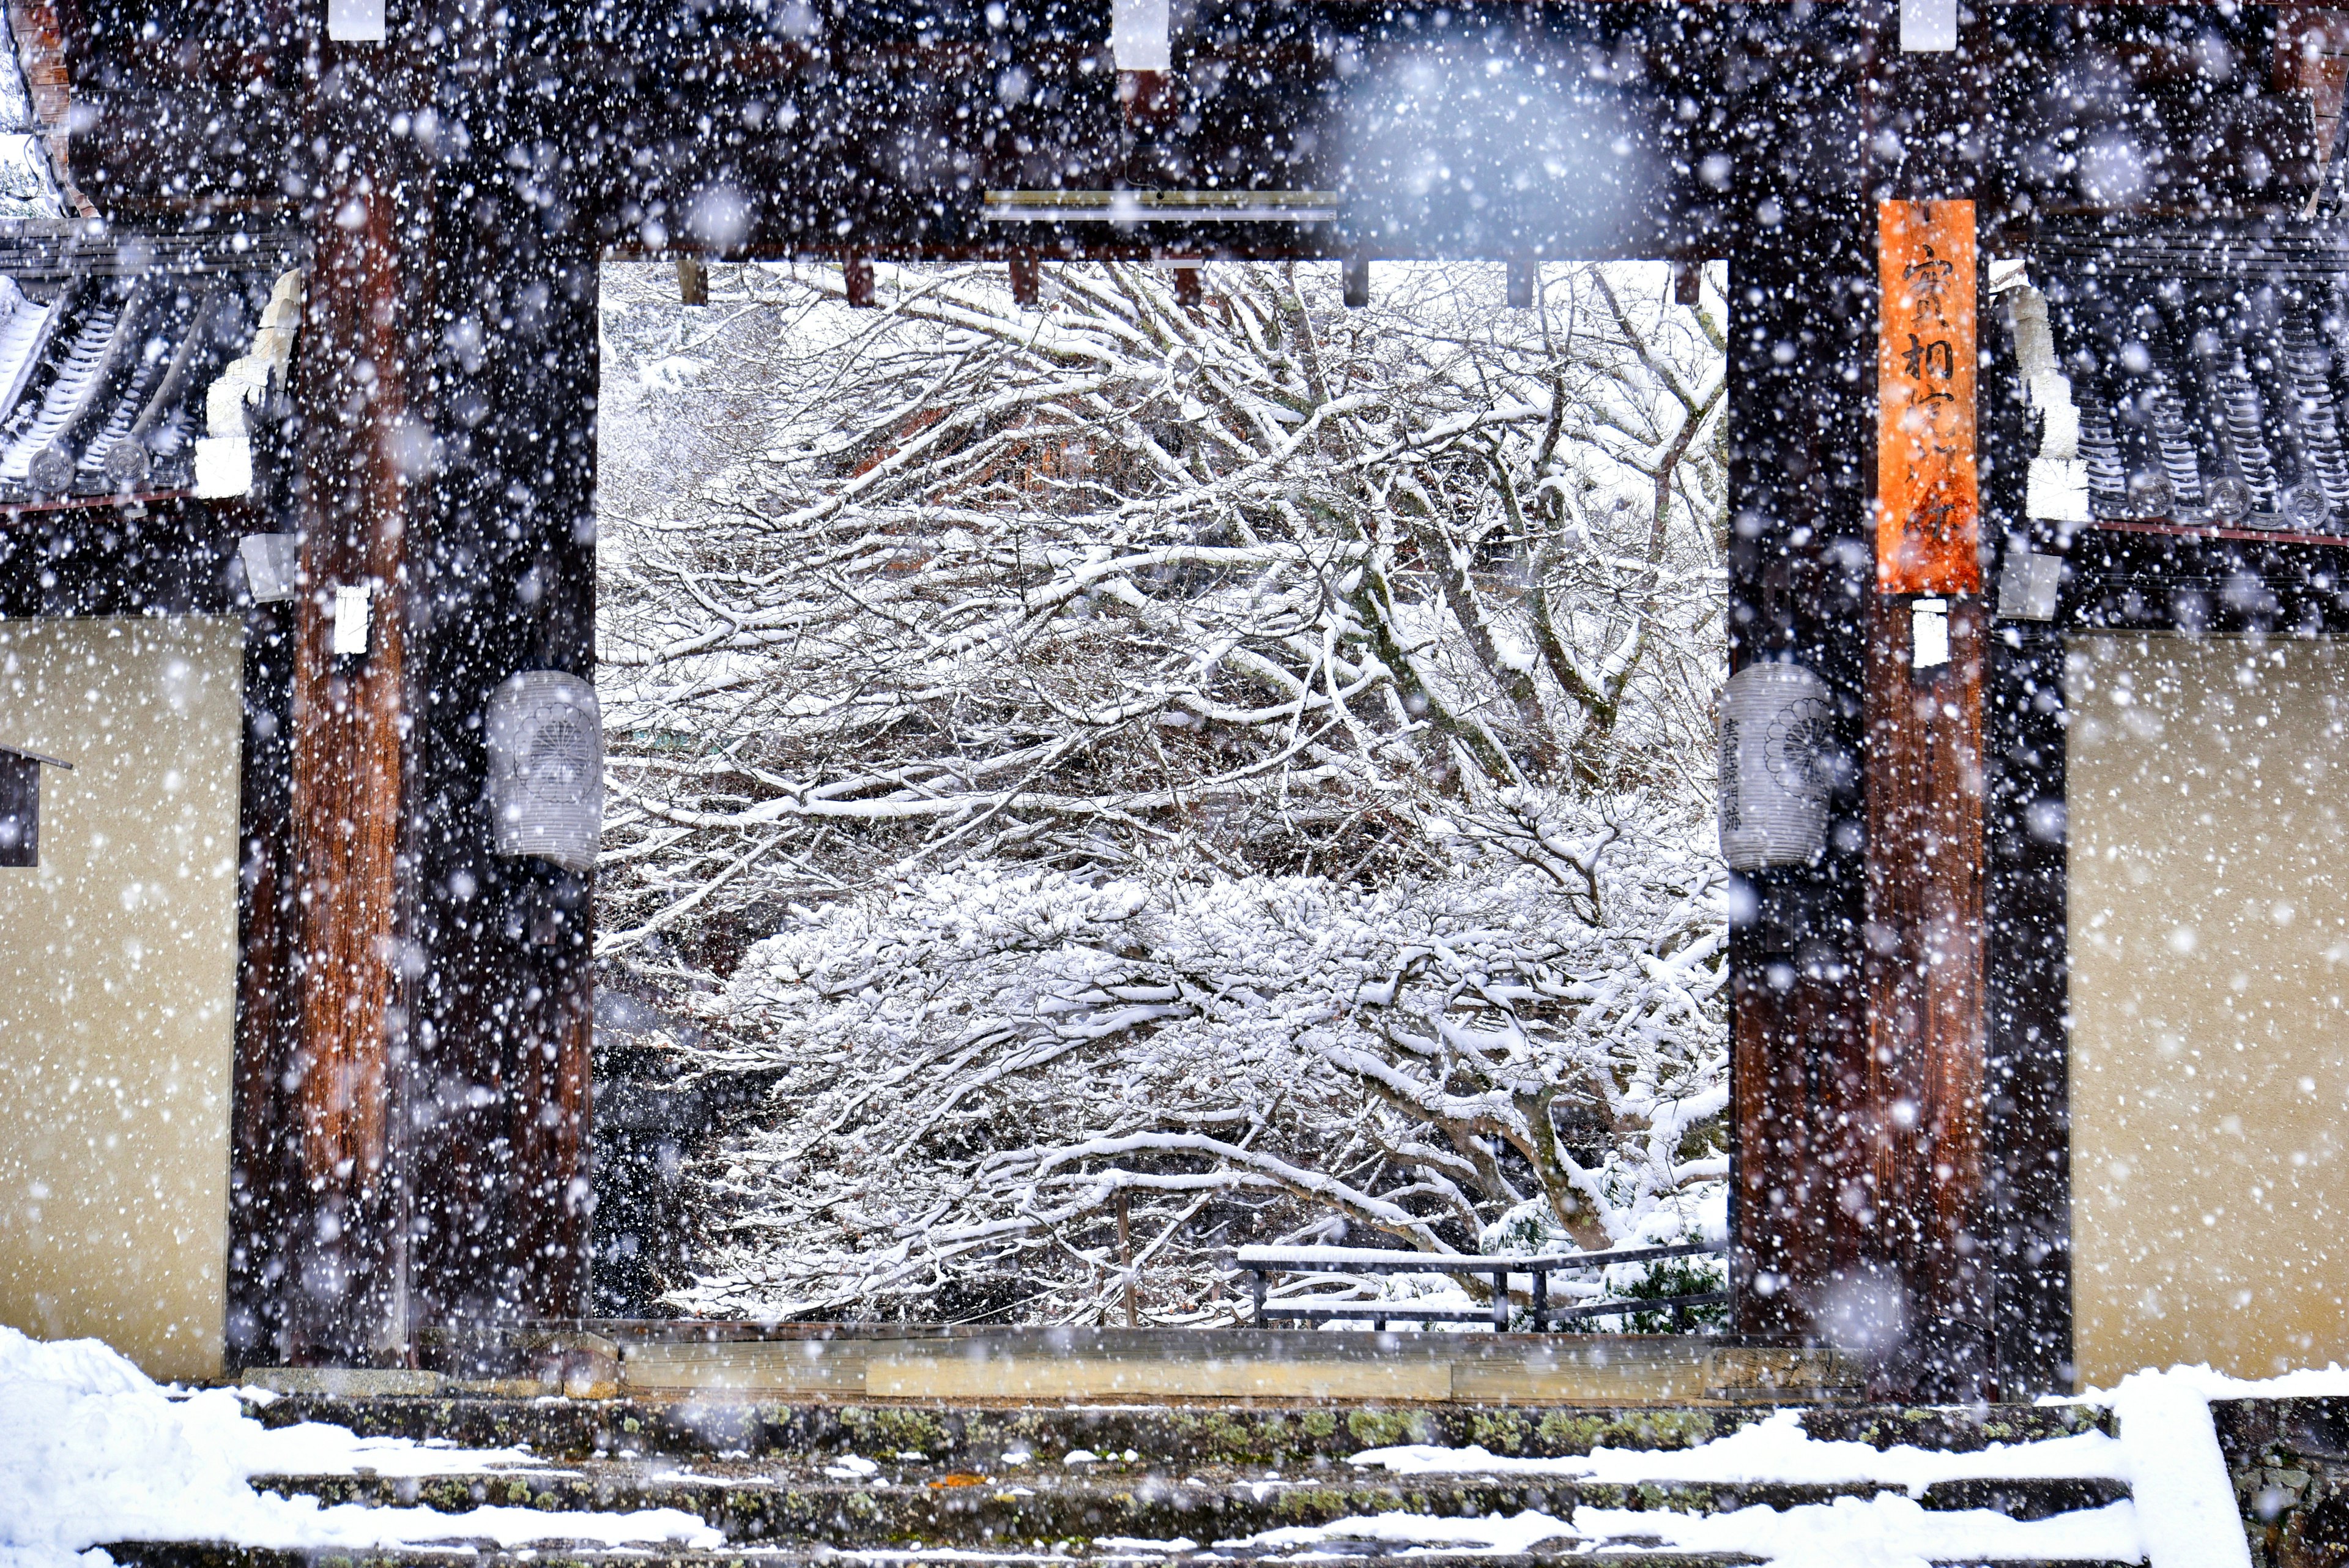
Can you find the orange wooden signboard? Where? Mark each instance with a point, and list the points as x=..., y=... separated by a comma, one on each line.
x=1928, y=508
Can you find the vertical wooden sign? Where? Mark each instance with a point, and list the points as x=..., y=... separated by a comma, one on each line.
x=1925, y=1059
x=1928, y=508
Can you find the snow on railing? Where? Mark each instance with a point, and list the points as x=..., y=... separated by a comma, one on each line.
x=1264, y=1262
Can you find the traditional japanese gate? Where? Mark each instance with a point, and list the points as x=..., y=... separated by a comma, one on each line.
x=1900, y=1180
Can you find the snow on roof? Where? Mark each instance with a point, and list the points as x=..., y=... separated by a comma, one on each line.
x=107, y=352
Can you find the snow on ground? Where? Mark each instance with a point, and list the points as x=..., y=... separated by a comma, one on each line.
x=1494, y=1532
x=2184, y=1516
x=1887, y=1530
x=92, y=1451
x=1884, y=1531
x=2186, y=1502
x=1777, y=1449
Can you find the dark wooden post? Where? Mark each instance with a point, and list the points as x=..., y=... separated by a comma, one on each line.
x=446, y=391
x=1924, y=932
x=506, y=565
x=352, y=800
x=1925, y=990
x=1801, y=365
x=267, y=1186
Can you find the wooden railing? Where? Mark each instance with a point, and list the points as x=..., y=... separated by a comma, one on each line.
x=1264, y=1262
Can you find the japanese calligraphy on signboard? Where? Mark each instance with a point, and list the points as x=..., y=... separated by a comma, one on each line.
x=1928, y=508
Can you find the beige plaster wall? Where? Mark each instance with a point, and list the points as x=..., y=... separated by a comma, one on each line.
x=117, y=972
x=2208, y=802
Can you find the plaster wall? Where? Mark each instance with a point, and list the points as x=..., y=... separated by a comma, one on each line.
x=2208, y=809
x=117, y=971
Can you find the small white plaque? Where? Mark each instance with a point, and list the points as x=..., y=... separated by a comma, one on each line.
x=1141, y=34
x=1929, y=633
x=1929, y=27
x=352, y=602
x=360, y=21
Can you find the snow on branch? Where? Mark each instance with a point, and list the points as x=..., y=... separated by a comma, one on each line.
x=1244, y=766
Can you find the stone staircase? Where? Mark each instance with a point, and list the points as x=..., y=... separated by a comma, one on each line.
x=786, y=1483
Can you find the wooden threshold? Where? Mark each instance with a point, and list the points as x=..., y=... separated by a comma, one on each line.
x=1182, y=1365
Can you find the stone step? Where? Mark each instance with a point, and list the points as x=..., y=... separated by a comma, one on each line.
x=177, y=1554
x=915, y=1506
x=978, y=1437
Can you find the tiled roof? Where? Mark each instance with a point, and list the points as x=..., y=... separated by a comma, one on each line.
x=2203, y=378
x=107, y=355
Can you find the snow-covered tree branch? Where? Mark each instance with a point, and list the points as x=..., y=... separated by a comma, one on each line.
x=1246, y=762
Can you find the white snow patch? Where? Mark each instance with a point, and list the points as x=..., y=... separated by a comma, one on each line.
x=1777, y=1449
x=2175, y=1470
x=1081, y=1457
x=1887, y=1530
x=851, y=1467
x=1513, y=1533
x=92, y=1451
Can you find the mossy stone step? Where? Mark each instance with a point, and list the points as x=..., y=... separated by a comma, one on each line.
x=994, y=1512
x=179, y=1554
x=980, y=1436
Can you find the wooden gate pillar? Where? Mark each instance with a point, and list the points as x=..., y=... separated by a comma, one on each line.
x=353, y=792
x=1801, y=578
x=507, y=576
x=1924, y=787
x=445, y=391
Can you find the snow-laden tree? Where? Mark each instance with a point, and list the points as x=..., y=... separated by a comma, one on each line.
x=1239, y=765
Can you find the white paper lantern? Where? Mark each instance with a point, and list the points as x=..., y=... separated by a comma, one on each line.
x=1777, y=752
x=545, y=736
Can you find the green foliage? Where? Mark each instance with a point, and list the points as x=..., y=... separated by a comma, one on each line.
x=1668, y=1277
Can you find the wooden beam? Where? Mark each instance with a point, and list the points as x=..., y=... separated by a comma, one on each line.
x=34, y=28
x=1798, y=1096
x=1926, y=1036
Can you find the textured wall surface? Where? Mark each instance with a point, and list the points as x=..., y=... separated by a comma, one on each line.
x=117, y=971
x=2208, y=813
